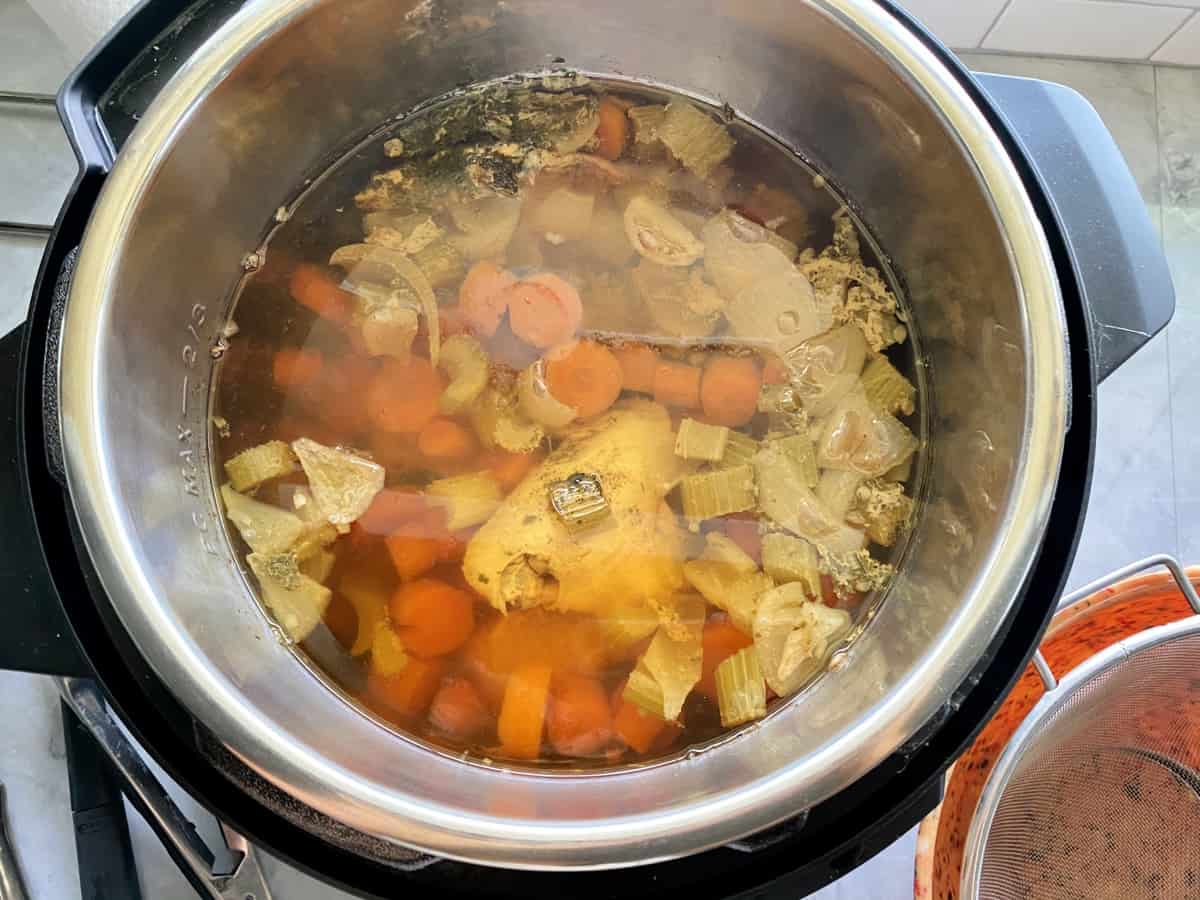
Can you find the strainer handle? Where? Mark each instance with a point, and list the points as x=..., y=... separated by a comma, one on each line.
x=1049, y=680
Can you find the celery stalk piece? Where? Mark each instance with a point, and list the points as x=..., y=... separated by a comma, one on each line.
x=469, y=499
x=646, y=122
x=296, y=601
x=887, y=390
x=707, y=495
x=253, y=466
x=694, y=138
x=266, y=529
x=388, y=656
x=666, y=673
x=343, y=484
x=466, y=364
x=793, y=636
x=788, y=559
x=786, y=500
x=837, y=490
x=739, y=449
x=799, y=449
x=721, y=548
x=883, y=509
x=741, y=691
x=699, y=441
x=319, y=565
x=855, y=572
x=737, y=593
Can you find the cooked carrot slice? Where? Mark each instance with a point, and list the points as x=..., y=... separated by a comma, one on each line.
x=638, y=364
x=536, y=315
x=408, y=693
x=720, y=640
x=445, y=439
x=637, y=728
x=431, y=617
x=403, y=396
x=729, y=390
x=523, y=712
x=413, y=556
x=585, y=376
x=613, y=131
x=342, y=619
x=677, y=384
x=314, y=288
x=579, y=722
x=291, y=368
x=481, y=299
x=544, y=310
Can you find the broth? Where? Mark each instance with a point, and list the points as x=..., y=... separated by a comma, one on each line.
x=641, y=479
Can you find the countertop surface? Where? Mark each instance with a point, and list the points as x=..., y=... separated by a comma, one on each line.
x=1147, y=481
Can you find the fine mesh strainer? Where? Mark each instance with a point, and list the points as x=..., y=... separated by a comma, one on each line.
x=1097, y=795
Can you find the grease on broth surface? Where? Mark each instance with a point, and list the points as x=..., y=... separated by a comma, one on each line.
x=576, y=414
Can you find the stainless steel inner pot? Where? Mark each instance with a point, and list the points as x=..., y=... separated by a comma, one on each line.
x=269, y=100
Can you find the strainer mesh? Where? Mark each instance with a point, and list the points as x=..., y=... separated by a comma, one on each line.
x=1105, y=800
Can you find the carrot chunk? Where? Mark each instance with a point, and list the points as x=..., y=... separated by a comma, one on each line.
x=543, y=311
x=638, y=365
x=445, y=439
x=292, y=368
x=402, y=397
x=586, y=377
x=719, y=640
x=729, y=390
x=613, y=131
x=523, y=711
x=637, y=728
x=431, y=617
x=314, y=288
x=409, y=692
x=677, y=384
x=482, y=297
x=412, y=555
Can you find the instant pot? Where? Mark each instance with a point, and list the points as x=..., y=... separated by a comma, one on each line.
x=1031, y=269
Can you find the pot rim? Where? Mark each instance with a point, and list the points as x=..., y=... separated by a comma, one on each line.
x=500, y=840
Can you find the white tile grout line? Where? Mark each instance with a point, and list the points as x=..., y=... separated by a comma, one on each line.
x=1162, y=234
x=1113, y=60
x=1182, y=25
x=995, y=22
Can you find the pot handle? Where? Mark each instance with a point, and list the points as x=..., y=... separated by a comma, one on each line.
x=1115, y=248
x=234, y=874
x=1042, y=667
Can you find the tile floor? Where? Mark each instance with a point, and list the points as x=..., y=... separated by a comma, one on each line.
x=1147, y=484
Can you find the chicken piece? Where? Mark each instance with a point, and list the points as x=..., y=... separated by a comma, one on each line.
x=615, y=570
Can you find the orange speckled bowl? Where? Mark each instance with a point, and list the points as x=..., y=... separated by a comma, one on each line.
x=1075, y=634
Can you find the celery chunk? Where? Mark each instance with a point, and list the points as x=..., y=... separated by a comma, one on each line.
x=699, y=441
x=253, y=466
x=707, y=495
x=887, y=390
x=741, y=691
